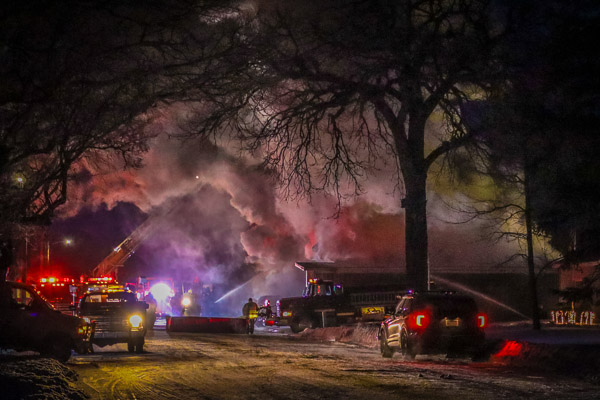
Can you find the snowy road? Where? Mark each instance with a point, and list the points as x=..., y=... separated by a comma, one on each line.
x=267, y=366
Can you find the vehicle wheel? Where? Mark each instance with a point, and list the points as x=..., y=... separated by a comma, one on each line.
x=130, y=346
x=59, y=348
x=301, y=324
x=83, y=348
x=386, y=351
x=405, y=348
x=306, y=323
x=139, y=347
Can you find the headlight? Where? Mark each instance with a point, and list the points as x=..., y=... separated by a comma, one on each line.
x=135, y=321
x=82, y=330
x=186, y=301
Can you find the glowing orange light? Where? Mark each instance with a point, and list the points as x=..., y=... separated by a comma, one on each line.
x=51, y=280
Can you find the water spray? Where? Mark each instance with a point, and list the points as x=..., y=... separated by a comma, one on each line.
x=232, y=291
x=479, y=294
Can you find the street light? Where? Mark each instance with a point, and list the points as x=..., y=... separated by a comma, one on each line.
x=66, y=242
x=19, y=179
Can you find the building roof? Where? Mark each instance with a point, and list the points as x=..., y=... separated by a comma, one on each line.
x=350, y=267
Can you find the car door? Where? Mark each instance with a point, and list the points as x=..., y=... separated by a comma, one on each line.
x=394, y=324
x=402, y=317
x=21, y=318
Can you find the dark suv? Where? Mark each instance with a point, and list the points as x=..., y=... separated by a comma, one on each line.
x=433, y=323
x=118, y=317
x=29, y=323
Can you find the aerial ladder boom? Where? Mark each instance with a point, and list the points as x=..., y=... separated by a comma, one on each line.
x=110, y=264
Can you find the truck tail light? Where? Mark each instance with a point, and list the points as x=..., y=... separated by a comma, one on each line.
x=419, y=320
x=482, y=320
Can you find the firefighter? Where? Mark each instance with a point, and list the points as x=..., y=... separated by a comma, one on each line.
x=268, y=310
x=250, y=312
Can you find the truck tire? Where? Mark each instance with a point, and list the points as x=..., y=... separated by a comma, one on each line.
x=130, y=346
x=301, y=324
x=59, y=348
x=386, y=351
x=139, y=346
x=295, y=327
x=406, y=349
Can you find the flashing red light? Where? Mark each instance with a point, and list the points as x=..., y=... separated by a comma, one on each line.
x=511, y=349
x=419, y=320
x=482, y=320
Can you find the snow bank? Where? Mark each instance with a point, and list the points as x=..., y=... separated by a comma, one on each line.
x=37, y=378
x=573, y=359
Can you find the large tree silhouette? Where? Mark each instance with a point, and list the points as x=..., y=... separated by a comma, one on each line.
x=79, y=82
x=325, y=92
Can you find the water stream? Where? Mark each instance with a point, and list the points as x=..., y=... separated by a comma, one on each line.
x=478, y=294
x=232, y=291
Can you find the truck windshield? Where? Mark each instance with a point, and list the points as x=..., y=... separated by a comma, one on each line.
x=319, y=289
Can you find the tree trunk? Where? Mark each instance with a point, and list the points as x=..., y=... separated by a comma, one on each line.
x=535, y=312
x=416, y=241
x=6, y=257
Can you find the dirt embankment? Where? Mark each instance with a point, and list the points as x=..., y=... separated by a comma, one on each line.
x=362, y=335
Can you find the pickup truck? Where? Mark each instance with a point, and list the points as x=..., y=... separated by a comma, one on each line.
x=324, y=303
x=29, y=323
x=118, y=317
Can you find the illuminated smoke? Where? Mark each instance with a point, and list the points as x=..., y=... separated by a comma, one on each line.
x=230, y=225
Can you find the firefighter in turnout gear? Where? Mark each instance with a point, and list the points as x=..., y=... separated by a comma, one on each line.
x=250, y=312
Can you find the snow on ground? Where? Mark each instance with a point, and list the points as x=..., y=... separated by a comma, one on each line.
x=574, y=352
x=568, y=350
x=32, y=377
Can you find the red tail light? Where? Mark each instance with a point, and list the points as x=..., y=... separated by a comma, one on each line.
x=482, y=320
x=419, y=320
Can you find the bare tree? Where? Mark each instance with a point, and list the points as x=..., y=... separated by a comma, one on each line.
x=325, y=92
x=540, y=136
x=80, y=81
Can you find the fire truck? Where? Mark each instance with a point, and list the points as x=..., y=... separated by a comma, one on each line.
x=58, y=291
x=64, y=293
